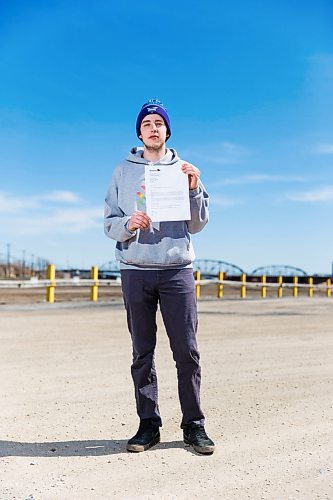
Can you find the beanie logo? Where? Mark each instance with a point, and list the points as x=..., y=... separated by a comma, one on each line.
x=150, y=110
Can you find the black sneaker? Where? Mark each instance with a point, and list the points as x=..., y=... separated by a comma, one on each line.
x=196, y=436
x=147, y=436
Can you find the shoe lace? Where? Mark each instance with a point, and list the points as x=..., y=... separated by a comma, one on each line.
x=201, y=433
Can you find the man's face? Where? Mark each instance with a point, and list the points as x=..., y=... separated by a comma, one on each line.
x=153, y=132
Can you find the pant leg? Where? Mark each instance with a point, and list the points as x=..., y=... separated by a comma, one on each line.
x=179, y=311
x=141, y=300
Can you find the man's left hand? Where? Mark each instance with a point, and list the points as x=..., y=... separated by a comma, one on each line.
x=193, y=175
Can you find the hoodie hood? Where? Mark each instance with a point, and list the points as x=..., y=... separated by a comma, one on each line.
x=136, y=156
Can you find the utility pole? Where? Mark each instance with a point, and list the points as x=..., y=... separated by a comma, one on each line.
x=8, y=260
x=23, y=263
x=32, y=264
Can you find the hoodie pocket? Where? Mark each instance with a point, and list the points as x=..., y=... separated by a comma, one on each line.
x=168, y=247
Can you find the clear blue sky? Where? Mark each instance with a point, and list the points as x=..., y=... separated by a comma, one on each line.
x=249, y=89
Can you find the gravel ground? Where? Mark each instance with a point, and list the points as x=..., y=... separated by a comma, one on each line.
x=67, y=406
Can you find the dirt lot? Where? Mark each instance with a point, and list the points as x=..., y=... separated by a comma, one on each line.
x=67, y=405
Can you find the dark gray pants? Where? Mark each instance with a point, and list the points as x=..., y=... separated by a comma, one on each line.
x=174, y=290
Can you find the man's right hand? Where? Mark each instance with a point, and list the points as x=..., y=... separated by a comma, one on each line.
x=139, y=220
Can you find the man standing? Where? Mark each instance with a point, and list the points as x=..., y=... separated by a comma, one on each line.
x=156, y=268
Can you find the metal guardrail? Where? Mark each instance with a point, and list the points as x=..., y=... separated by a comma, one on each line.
x=94, y=283
x=59, y=282
x=263, y=285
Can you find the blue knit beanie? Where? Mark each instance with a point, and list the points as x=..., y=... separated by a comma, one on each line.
x=150, y=107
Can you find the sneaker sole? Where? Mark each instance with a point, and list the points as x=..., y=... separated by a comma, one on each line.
x=203, y=450
x=137, y=448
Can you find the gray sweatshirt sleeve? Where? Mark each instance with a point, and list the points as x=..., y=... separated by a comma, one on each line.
x=199, y=202
x=115, y=221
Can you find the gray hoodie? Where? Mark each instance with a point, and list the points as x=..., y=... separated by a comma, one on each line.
x=165, y=245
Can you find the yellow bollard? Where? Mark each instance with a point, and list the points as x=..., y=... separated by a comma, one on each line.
x=280, y=281
x=329, y=287
x=220, y=277
x=264, y=287
x=197, y=286
x=243, y=286
x=94, y=287
x=310, y=289
x=295, y=287
x=50, y=289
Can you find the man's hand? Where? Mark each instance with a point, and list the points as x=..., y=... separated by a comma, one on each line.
x=193, y=175
x=138, y=220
